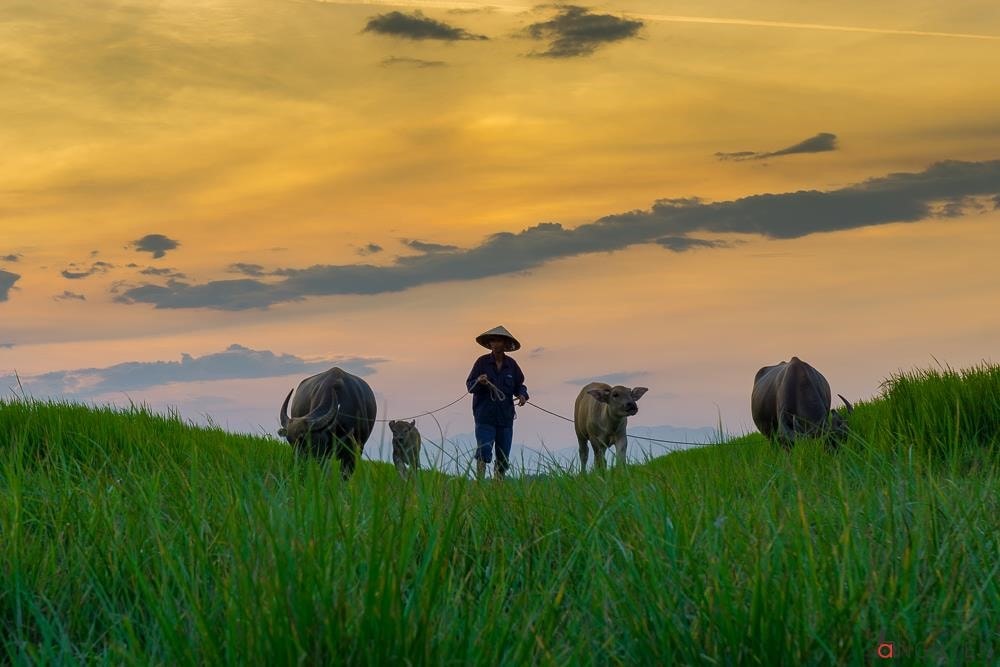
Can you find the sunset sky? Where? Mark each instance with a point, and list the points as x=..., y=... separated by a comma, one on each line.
x=202, y=202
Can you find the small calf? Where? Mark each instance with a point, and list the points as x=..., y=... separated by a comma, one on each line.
x=405, y=446
x=600, y=416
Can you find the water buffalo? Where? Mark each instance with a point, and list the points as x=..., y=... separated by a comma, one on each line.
x=792, y=399
x=333, y=413
x=405, y=446
x=600, y=416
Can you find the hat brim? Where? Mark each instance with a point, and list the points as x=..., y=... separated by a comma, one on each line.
x=511, y=346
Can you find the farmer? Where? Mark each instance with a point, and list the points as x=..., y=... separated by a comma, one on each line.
x=494, y=381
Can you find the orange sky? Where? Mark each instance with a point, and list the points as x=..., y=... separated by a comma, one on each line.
x=285, y=135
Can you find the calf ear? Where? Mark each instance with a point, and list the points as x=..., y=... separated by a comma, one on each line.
x=638, y=392
x=602, y=395
x=282, y=432
x=392, y=425
x=413, y=422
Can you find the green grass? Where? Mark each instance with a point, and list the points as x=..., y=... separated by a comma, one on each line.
x=127, y=537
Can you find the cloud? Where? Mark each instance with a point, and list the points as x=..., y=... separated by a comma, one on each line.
x=74, y=273
x=682, y=243
x=7, y=280
x=610, y=378
x=169, y=273
x=255, y=270
x=411, y=62
x=820, y=143
x=574, y=31
x=236, y=362
x=898, y=197
x=69, y=296
x=425, y=247
x=6, y=346
x=13, y=257
x=537, y=352
x=158, y=244
x=370, y=249
x=416, y=26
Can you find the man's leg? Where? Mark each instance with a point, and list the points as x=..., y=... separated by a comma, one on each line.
x=504, y=437
x=485, y=435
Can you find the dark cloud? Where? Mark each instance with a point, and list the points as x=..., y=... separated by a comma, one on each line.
x=537, y=352
x=7, y=280
x=95, y=253
x=169, y=273
x=682, y=243
x=236, y=362
x=821, y=143
x=574, y=31
x=425, y=247
x=69, y=296
x=417, y=26
x=610, y=378
x=411, y=62
x=899, y=197
x=77, y=273
x=370, y=249
x=996, y=203
x=158, y=244
x=13, y=257
x=6, y=346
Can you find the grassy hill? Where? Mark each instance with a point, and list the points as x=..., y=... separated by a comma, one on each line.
x=127, y=537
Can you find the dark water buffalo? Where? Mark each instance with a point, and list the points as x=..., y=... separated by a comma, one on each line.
x=792, y=399
x=333, y=413
x=600, y=415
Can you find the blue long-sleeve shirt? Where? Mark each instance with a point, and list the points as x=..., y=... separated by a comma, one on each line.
x=509, y=378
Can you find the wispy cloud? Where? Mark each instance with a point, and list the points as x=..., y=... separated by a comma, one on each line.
x=167, y=272
x=418, y=27
x=425, y=247
x=411, y=62
x=684, y=243
x=6, y=346
x=75, y=272
x=820, y=143
x=574, y=31
x=255, y=270
x=7, y=280
x=899, y=197
x=369, y=249
x=69, y=296
x=236, y=362
x=157, y=244
x=12, y=257
x=610, y=378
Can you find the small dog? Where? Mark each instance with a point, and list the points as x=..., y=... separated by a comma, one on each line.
x=405, y=446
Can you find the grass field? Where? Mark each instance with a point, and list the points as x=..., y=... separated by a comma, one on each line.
x=127, y=537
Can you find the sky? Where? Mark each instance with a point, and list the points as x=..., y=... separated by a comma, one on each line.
x=203, y=202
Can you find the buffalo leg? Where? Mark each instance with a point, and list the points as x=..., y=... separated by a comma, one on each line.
x=584, y=452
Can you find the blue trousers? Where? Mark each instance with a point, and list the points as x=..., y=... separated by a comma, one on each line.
x=486, y=436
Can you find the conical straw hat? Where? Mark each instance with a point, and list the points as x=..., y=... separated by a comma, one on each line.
x=483, y=338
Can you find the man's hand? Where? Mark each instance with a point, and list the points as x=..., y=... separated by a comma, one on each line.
x=482, y=379
x=521, y=400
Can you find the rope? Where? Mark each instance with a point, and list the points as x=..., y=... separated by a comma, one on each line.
x=630, y=435
x=429, y=412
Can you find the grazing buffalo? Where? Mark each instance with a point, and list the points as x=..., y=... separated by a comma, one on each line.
x=405, y=446
x=333, y=413
x=792, y=399
x=600, y=416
